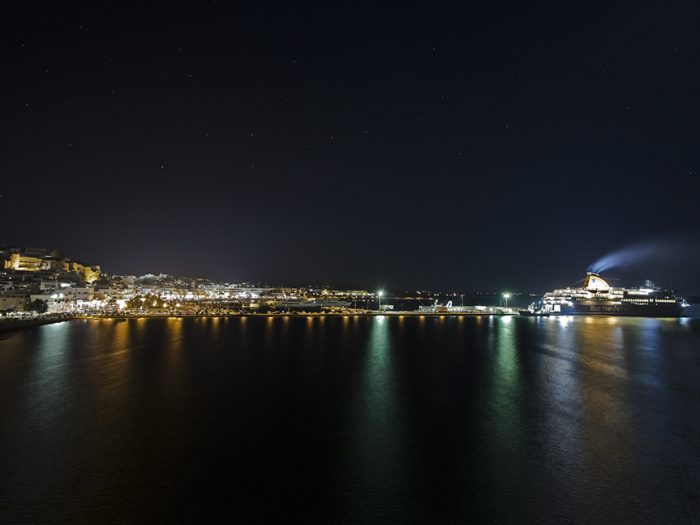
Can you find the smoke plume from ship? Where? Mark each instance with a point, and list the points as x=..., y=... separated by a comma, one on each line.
x=645, y=252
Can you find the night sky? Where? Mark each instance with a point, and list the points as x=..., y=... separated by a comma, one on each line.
x=473, y=146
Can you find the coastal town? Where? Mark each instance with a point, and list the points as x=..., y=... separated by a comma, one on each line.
x=38, y=282
x=42, y=281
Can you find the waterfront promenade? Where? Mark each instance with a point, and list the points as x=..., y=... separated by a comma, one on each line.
x=12, y=324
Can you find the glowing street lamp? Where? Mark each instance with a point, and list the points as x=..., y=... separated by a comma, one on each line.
x=506, y=296
x=380, y=293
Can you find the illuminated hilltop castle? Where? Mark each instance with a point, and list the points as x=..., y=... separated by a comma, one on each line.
x=40, y=259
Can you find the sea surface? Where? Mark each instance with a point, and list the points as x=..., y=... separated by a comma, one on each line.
x=351, y=420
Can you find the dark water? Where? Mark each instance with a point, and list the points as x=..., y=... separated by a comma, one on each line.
x=352, y=420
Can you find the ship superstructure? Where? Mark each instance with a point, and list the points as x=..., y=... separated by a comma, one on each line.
x=597, y=297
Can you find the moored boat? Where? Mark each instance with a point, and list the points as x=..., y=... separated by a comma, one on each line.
x=597, y=297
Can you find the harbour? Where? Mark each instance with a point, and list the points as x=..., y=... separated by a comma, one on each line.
x=350, y=263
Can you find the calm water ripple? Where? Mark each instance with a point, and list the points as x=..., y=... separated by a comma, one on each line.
x=352, y=420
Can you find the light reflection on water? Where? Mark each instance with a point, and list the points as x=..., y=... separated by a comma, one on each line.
x=432, y=419
x=375, y=421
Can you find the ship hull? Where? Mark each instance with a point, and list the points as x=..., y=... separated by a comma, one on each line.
x=666, y=310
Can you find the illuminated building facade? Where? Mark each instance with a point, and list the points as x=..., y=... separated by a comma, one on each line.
x=39, y=259
x=25, y=263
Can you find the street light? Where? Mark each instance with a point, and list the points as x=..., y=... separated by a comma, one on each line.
x=380, y=293
x=506, y=296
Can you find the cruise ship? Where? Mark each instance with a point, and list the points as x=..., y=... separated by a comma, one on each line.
x=597, y=297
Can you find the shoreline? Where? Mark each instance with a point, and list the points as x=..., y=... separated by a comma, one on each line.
x=12, y=325
x=294, y=314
